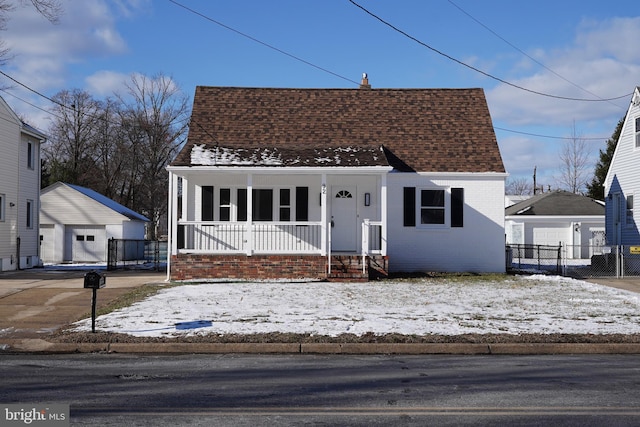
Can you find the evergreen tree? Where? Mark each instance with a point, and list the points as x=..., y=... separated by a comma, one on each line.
x=595, y=190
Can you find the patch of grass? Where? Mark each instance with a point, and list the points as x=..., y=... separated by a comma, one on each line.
x=451, y=277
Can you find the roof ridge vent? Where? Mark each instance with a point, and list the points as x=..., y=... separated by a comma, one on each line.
x=364, y=84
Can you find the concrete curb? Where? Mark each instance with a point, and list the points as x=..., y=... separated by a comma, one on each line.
x=42, y=346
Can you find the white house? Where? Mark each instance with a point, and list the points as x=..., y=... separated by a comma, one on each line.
x=76, y=223
x=622, y=184
x=558, y=218
x=275, y=183
x=19, y=191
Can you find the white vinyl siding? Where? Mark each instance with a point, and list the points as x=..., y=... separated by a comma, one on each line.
x=623, y=181
x=81, y=233
x=478, y=246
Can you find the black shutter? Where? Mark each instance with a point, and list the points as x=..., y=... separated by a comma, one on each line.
x=242, y=204
x=207, y=203
x=409, y=206
x=302, y=203
x=457, y=207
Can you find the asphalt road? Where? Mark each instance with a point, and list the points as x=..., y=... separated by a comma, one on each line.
x=238, y=390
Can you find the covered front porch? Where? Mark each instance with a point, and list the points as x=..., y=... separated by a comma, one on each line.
x=270, y=223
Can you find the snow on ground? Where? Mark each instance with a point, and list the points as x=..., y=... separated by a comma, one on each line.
x=526, y=304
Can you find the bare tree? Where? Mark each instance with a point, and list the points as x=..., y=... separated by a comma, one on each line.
x=155, y=122
x=519, y=186
x=70, y=153
x=575, y=168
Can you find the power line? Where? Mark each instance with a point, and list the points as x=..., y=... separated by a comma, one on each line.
x=549, y=136
x=297, y=58
x=484, y=73
x=31, y=104
x=525, y=54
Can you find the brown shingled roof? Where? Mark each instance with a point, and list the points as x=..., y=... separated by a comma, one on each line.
x=425, y=130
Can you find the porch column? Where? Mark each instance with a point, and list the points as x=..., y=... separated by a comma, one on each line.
x=172, y=221
x=323, y=215
x=383, y=213
x=249, y=230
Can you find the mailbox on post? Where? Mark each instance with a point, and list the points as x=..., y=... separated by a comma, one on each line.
x=94, y=280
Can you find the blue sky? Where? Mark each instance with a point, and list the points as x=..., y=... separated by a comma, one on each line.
x=585, y=49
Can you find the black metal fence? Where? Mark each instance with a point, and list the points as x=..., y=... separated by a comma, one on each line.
x=128, y=253
x=579, y=261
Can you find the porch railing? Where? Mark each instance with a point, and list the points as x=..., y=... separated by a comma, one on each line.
x=371, y=240
x=264, y=237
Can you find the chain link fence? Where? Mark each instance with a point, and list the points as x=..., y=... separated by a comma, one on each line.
x=128, y=253
x=578, y=261
x=534, y=258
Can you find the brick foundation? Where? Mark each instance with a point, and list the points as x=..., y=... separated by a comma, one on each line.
x=207, y=266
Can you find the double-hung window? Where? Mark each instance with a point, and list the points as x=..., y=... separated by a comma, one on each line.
x=630, y=209
x=2, y=202
x=225, y=204
x=637, y=132
x=433, y=207
x=285, y=204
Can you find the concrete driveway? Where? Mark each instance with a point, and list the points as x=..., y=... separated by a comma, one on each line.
x=39, y=301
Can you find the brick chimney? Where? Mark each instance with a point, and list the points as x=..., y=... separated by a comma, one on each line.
x=364, y=84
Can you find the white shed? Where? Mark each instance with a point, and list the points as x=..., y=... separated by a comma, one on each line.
x=76, y=223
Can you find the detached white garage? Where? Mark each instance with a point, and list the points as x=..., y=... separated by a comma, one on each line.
x=557, y=218
x=76, y=223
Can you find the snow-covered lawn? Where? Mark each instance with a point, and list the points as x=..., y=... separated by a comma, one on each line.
x=515, y=305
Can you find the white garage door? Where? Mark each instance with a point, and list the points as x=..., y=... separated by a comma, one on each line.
x=85, y=243
x=551, y=236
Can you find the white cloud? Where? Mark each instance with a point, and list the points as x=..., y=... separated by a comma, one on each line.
x=599, y=61
x=43, y=51
x=105, y=83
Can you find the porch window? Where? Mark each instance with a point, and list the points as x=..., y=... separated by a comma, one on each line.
x=286, y=201
x=302, y=203
x=207, y=203
x=225, y=204
x=285, y=204
x=262, y=204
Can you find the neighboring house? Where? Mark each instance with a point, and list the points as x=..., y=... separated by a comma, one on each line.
x=288, y=183
x=76, y=223
x=622, y=184
x=558, y=217
x=19, y=191
x=511, y=199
